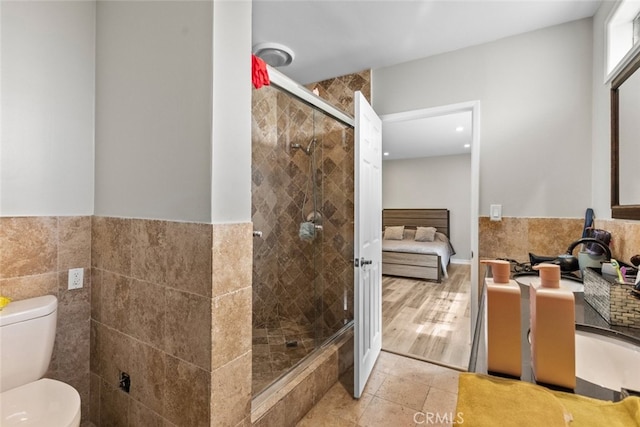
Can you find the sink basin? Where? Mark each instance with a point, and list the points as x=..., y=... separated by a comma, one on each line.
x=573, y=285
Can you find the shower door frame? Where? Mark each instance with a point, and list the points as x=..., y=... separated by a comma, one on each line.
x=303, y=95
x=300, y=92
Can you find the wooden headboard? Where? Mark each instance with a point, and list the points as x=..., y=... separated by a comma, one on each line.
x=412, y=218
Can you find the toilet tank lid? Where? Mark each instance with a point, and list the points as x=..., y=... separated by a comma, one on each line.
x=31, y=308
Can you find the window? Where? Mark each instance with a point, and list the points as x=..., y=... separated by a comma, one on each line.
x=636, y=29
x=622, y=32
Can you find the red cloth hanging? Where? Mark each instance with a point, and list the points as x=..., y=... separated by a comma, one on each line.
x=259, y=74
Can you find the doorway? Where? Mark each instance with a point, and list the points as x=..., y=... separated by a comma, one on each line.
x=422, y=319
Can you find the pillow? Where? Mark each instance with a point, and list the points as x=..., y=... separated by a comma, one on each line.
x=409, y=234
x=425, y=234
x=393, y=233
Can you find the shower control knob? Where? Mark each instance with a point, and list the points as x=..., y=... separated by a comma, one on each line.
x=257, y=234
x=318, y=227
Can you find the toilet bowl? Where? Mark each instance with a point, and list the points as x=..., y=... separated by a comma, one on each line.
x=27, y=333
x=44, y=402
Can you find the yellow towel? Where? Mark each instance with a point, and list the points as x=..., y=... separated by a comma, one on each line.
x=490, y=401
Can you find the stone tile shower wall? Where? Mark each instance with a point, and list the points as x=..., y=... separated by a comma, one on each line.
x=338, y=166
x=35, y=256
x=280, y=182
x=286, y=292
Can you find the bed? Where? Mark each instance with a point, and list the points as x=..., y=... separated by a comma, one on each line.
x=403, y=256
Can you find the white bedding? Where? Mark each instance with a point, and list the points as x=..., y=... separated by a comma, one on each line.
x=443, y=249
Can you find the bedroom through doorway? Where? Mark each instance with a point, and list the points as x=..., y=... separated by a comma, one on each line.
x=432, y=164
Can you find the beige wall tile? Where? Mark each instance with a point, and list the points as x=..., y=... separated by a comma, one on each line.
x=111, y=244
x=141, y=416
x=299, y=401
x=110, y=353
x=231, y=392
x=187, y=394
x=29, y=246
x=148, y=376
x=173, y=254
x=274, y=417
x=625, y=237
x=553, y=235
x=112, y=295
x=96, y=294
x=74, y=242
x=146, y=310
x=515, y=237
x=188, y=328
x=74, y=307
x=189, y=257
x=70, y=358
x=149, y=248
x=230, y=327
x=114, y=406
x=232, y=257
x=326, y=375
x=19, y=288
x=506, y=238
x=94, y=399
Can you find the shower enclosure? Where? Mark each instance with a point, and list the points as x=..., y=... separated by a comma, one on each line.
x=302, y=211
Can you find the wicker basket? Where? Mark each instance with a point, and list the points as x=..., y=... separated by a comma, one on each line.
x=611, y=300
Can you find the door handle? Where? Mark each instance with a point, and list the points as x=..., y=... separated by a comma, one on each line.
x=362, y=262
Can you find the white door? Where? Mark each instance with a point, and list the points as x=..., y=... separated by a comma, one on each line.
x=367, y=242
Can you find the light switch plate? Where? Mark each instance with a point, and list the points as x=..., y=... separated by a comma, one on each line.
x=495, y=212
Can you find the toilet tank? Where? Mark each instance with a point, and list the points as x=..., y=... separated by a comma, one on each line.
x=27, y=334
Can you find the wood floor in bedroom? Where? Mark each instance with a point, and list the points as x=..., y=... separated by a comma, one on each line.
x=428, y=320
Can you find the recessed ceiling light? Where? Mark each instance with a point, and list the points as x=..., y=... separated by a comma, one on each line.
x=459, y=129
x=386, y=153
x=467, y=145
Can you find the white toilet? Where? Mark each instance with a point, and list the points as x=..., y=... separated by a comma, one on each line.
x=27, y=333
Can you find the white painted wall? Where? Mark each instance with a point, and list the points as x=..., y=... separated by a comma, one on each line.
x=535, y=92
x=153, y=110
x=231, y=171
x=47, y=102
x=433, y=182
x=601, y=124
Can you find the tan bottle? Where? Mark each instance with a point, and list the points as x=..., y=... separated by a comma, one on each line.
x=503, y=321
x=553, y=354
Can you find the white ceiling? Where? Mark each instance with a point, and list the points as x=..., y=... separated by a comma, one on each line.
x=332, y=38
x=427, y=137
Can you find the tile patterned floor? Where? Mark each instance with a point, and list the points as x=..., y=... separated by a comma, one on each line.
x=401, y=392
x=277, y=349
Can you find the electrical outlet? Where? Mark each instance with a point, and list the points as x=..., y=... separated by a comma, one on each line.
x=76, y=275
